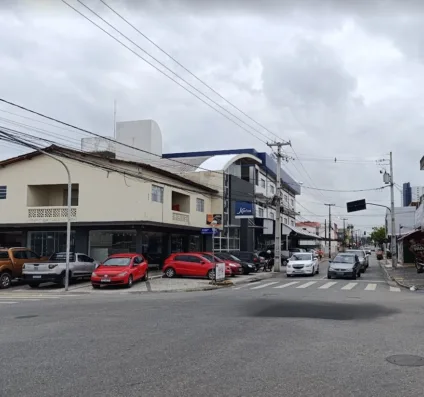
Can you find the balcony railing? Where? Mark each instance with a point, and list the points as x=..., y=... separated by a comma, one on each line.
x=181, y=217
x=50, y=214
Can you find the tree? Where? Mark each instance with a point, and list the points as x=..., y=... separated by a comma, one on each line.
x=378, y=234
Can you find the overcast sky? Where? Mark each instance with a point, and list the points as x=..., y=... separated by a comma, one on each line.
x=339, y=79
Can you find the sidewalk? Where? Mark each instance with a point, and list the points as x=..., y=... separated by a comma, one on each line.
x=405, y=276
x=157, y=283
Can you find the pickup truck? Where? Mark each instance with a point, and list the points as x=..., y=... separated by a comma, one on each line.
x=80, y=266
x=11, y=262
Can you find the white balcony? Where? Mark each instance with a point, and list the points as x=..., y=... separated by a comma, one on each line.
x=181, y=218
x=50, y=214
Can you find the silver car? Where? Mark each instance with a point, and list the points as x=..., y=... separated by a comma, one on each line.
x=362, y=255
x=345, y=265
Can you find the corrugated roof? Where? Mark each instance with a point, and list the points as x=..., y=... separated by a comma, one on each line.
x=58, y=150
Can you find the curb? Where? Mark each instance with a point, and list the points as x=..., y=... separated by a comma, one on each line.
x=391, y=280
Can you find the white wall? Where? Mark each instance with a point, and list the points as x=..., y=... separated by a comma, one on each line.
x=103, y=196
x=404, y=216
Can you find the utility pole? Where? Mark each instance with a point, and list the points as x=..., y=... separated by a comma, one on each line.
x=344, y=233
x=330, y=228
x=325, y=231
x=277, y=244
x=392, y=214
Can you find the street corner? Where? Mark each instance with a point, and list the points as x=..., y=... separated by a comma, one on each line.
x=251, y=278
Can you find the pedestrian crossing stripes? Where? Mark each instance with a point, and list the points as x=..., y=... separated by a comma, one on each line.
x=10, y=299
x=330, y=285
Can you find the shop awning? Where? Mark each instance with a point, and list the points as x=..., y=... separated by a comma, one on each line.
x=408, y=234
x=300, y=232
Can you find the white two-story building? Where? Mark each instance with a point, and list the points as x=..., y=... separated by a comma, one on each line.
x=117, y=205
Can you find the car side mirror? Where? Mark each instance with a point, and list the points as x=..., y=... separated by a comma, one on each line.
x=135, y=264
x=202, y=262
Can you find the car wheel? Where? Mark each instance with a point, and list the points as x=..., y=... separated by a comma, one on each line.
x=284, y=262
x=288, y=275
x=130, y=281
x=34, y=285
x=211, y=274
x=328, y=276
x=362, y=271
x=354, y=276
x=317, y=270
x=359, y=274
x=63, y=280
x=5, y=280
x=170, y=272
x=146, y=276
x=95, y=286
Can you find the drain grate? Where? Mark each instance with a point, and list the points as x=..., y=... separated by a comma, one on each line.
x=406, y=360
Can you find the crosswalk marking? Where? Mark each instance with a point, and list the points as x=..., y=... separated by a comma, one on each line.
x=371, y=287
x=287, y=284
x=7, y=303
x=247, y=285
x=395, y=289
x=328, y=285
x=349, y=286
x=307, y=284
x=265, y=285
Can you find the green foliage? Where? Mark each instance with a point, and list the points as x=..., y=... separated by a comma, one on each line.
x=378, y=234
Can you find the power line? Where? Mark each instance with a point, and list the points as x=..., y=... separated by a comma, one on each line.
x=162, y=72
x=186, y=69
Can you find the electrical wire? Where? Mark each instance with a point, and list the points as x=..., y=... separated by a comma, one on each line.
x=166, y=75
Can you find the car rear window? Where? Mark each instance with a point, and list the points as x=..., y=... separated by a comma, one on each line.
x=4, y=255
x=124, y=261
x=61, y=257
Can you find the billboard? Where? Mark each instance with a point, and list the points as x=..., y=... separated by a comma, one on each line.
x=214, y=217
x=244, y=209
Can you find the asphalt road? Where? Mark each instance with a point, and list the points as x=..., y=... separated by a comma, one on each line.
x=231, y=342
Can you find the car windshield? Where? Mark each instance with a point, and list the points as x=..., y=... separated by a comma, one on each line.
x=234, y=258
x=357, y=252
x=301, y=257
x=344, y=259
x=61, y=257
x=117, y=262
x=223, y=255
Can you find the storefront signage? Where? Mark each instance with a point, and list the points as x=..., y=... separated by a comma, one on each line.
x=209, y=230
x=244, y=209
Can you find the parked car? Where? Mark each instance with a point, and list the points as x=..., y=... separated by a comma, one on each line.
x=227, y=257
x=346, y=265
x=121, y=269
x=190, y=264
x=362, y=255
x=252, y=257
x=302, y=263
x=54, y=270
x=12, y=261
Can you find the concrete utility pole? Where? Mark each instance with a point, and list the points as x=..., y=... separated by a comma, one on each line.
x=344, y=233
x=277, y=244
x=392, y=214
x=330, y=228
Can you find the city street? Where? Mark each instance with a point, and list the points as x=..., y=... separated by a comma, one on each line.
x=240, y=341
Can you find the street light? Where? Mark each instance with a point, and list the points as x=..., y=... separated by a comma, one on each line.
x=213, y=224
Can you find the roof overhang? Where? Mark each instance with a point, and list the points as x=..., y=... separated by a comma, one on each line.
x=221, y=162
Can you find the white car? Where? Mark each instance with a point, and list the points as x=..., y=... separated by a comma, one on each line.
x=302, y=263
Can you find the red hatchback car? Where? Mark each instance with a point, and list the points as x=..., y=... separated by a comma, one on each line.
x=189, y=264
x=120, y=269
x=235, y=268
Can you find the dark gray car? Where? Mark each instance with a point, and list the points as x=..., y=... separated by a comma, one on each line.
x=345, y=265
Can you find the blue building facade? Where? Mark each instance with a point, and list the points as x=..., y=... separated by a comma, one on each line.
x=406, y=194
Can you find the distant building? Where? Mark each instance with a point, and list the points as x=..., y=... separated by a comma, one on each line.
x=406, y=195
x=416, y=193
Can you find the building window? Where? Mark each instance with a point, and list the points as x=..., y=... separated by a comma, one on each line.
x=3, y=192
x=263, y=182
x=292, y=222
x=271, y=215
x=292, y=202
x=256, y=177
x=157, y=194
x=200, y=205
x=272, y=189
x=286, y=199
x=261, y=212
x=74, y=197
x=285, y=221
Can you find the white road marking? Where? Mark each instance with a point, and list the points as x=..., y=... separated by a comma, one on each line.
x=7, y=303
x=349, y=286
x=265, y=285
x=328, y=285
x=307, y=284
x=287, y=284
x=371, y=287
x=247, y=285
x=394, y=289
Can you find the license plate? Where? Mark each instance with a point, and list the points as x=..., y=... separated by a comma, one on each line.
x=105, y=280
x=340, y=273
x=36, y=276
